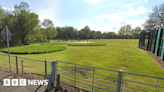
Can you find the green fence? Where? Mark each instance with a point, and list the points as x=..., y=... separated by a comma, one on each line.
x=152, y=40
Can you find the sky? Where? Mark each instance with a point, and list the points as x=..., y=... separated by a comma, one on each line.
x=99, y=15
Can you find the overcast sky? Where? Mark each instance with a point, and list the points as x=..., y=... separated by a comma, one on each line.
x=99, y=15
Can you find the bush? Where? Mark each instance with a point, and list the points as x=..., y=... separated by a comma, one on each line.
x=87, y=44
x=33, y=49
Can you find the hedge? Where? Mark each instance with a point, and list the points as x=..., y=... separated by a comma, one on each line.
x=33, y=49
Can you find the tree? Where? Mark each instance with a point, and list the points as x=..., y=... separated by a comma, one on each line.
x=135, y=32
x=47, y=23
x=86, y=30
x=1, y=16
x=156, y=17
x=93, y=35
x=25, y=22
x=158, y=13
x=125, y=30
x=49, y=31
x=99, y=34
x=111, y=35
x=60, y=32
x=69, y=32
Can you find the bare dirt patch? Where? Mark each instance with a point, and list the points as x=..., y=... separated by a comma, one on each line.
x=126, y=53
x=81, y=71
x=123, y=66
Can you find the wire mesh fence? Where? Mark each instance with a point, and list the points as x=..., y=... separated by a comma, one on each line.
x=94, y=79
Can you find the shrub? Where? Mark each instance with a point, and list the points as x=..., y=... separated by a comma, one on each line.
x=33, y=49
x=87, y=44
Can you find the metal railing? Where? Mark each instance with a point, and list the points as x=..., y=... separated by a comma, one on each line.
x=96, y=79
x=16, y=59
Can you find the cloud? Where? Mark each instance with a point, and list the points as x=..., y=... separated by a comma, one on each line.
x=132, y=11
x=92, y=1
x=98, y=27
x=102, y=26
x=98, y=20
x=45, y=10
x=128, y=5
x=146, y=0
x=8, y=9
x=151, y=11
x=47, y=16
x=118, y=16
x=116, y=20
x=85, y=22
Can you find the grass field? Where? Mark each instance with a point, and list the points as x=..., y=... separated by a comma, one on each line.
x=117, y=54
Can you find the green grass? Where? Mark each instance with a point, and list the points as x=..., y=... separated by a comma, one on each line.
x=117, y=54
x=86, y=44
x=33, y=49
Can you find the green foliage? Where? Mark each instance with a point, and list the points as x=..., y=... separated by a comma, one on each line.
x=49, y=31
x=25, y=22
x=86, y=30
x=125, y=30
x=33, y=49
x=86, y=44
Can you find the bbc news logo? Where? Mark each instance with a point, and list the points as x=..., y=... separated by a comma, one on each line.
x=23, y=82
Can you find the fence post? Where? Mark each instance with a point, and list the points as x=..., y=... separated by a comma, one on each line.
x=75, y=77
x=45, y=69
x=17, y=64
x=119, y=81
x=156, y=85
x=93, y=79
x=58, y=82
x=22, y=67
x=54, y=71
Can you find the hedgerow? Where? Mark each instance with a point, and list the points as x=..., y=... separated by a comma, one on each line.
x=34, y=49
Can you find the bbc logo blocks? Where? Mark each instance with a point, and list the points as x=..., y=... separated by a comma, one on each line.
x=6, y=82
x=14, y=82
x=22, y=82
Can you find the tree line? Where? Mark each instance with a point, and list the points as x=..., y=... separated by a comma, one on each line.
x=155, y=18
x=26, y=28
x=125, y=32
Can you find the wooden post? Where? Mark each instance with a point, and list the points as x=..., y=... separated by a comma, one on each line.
x=17, y=64
x=22, y=67
x=45, y=69
x=58, y=82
